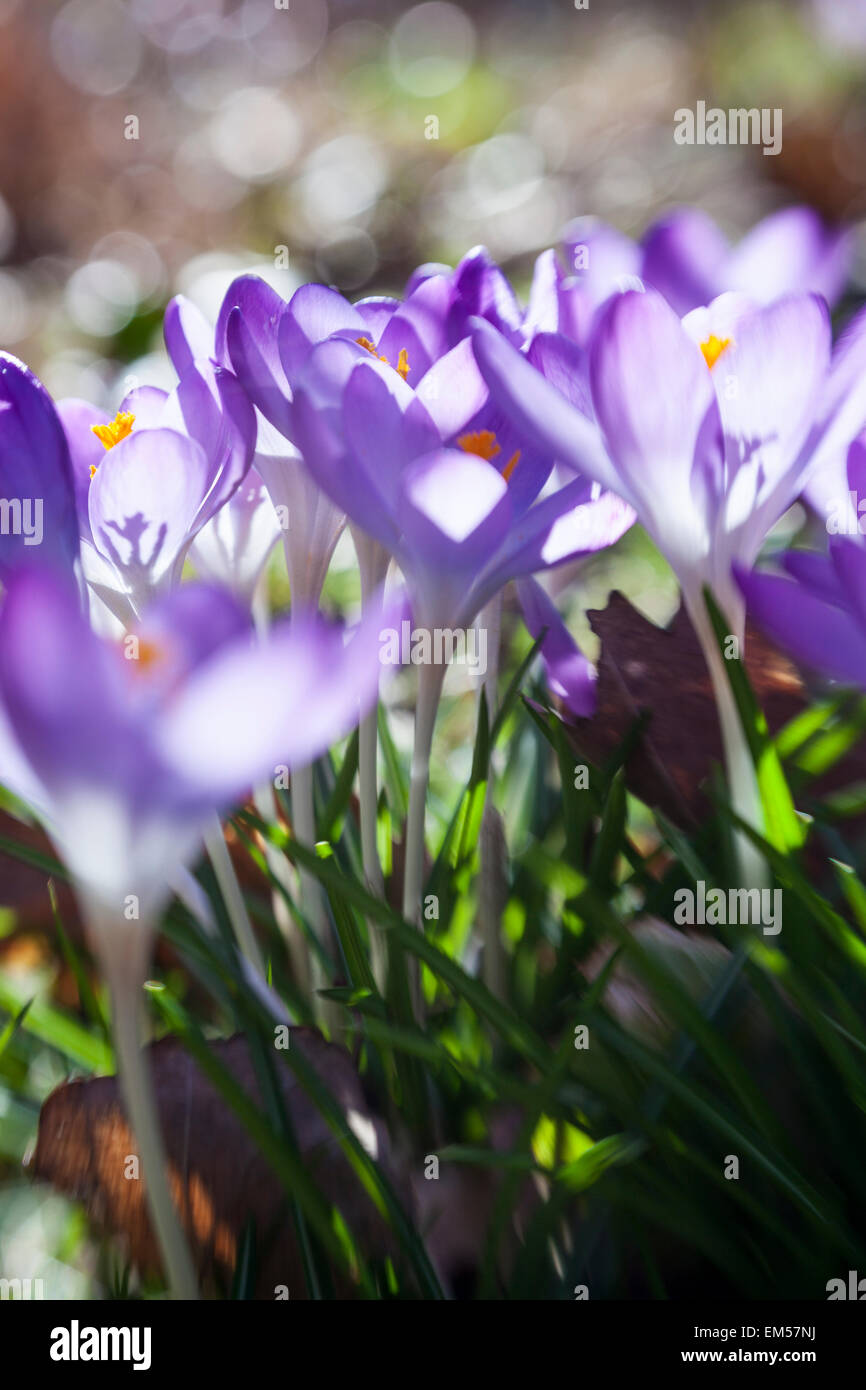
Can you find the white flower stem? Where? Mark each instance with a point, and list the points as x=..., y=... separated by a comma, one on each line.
x=430, y=679
x=232, y=896
x=492, y=839
x=125, y=971
x=739, y=767
x=373, y=565
x=312, y=900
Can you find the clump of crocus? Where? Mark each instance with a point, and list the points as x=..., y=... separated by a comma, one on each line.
x=708, y=426
x=127, y=750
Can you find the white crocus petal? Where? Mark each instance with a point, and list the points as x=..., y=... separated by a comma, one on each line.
x=233, y=548
x=309, y=521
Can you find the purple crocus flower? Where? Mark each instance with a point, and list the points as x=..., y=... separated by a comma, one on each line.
x=147, y=482
x=687, y=258
x=457, y=503
x=708, y=427
x=127, y=752
x=422, y=473
x=128, y=749
x=310, y=524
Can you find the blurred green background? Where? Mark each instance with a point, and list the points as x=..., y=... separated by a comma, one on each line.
x=161, y=145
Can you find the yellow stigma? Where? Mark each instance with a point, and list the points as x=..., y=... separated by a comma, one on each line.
x=713, y=349
x=483, y=444
x=112, y=434
x=402, y=368
x=480, y=442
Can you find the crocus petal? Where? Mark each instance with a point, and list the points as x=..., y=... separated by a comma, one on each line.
x=188, y=627
x=261, y=307
x=816, y=571
x=576, y=520
x=147, y=404
x=16, y=774
x=310, y=522
x=777, y=363
x=841, y=411
x=286, y=700
x=418, y=328
x=816, y=633
x=384, y=425
x=848, y=557
x=376, y=311
x=314, y=313
x=445, y=546
x=61, y=687
x=570, y=675
x=211, y=406
x=602, y=259
x=656, y=405
x=541, y=416
x=566, y=366
x=791, y=250
x=188, y=334
x=683, y=258
x=482, y=291
x=233, y=548
x=86, y=452
x=453, y=391
x=342, y=477
x=252, y=348
x=422, y=273
x=542, y=312
x=143, y=500
x=36, y=480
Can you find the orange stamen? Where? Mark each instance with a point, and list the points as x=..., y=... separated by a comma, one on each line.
x=511, y=465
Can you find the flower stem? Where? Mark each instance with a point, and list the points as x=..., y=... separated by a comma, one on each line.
x=739, y=767
x=373, y=565
x=430, y=679
x=312, y=901
x=126, y=976
x=492, y=839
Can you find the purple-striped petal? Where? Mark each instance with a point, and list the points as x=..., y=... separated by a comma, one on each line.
x=144, y=499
